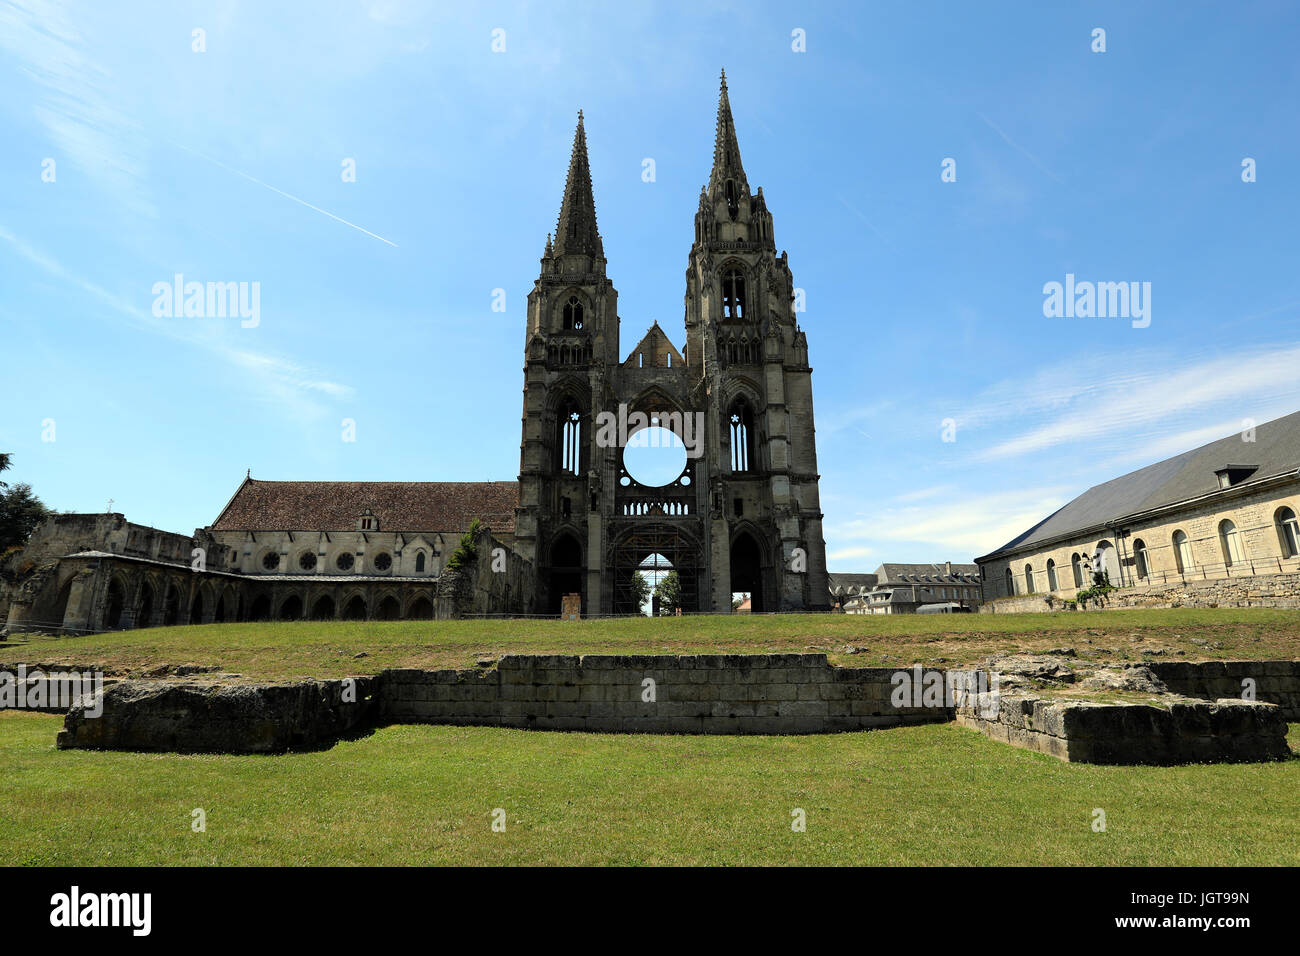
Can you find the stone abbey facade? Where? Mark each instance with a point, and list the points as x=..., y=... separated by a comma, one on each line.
x=743, y=514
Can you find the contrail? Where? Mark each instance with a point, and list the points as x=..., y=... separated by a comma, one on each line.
x=1014, y=145
x=302, y=202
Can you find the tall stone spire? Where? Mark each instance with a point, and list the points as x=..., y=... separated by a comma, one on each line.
x=726, y=151
x=576, y=232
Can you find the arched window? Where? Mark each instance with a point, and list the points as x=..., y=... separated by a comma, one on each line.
x=1051, y=575
x=1011, y=584
x=1103, y=565
x=1234, y=550
x=1029, y=579
x=733, y=294
x=1183, y=553
x=569, y=444
x=419, y=562
x=573, y=313
x=1288, y=532
x=1140, y=558
x=741, y=421
x=1076, y=567
x=733, y=206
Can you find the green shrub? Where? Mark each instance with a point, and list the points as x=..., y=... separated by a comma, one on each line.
x=466, y=552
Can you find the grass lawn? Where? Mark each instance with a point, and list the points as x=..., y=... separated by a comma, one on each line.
x=296, y=650
x=936, y=794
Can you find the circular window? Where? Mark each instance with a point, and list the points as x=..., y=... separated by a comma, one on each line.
x=307, y=560
x=271, y=560
x=654, y=456
x=383, y=561
x=344, y=561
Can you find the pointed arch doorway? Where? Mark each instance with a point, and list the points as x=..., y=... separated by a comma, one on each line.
x=566, y=572
x=747, y=571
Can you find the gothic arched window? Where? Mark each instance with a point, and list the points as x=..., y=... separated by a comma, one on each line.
x=573, y=313
x=733, y=206
x=570, y=438
x=733, y=294
x=741, y=424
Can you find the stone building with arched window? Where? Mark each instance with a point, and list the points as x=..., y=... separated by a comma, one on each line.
x=1224, y=511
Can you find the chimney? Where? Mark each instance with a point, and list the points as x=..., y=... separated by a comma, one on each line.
x=948, y=565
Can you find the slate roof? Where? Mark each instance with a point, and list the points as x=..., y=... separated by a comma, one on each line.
x=840, y=583
x=1275, y=451
x=925, y=574
x=398, y=505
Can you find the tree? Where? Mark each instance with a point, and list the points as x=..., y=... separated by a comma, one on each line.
x=738, y=600
x=640, y=590
x=669, y=593
x=20, y=511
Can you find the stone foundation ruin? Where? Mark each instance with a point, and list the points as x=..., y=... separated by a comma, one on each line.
x=1159, y=713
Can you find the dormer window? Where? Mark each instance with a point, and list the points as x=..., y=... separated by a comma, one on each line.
x=368, y=521
x=1230, y=475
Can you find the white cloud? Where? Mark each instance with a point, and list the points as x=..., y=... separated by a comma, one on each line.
x=1123, y=409
x=849, y=554
x=79, y=108
x=960, y=528
x=282, y=383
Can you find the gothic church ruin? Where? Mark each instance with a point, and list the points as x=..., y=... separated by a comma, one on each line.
x=743, y=515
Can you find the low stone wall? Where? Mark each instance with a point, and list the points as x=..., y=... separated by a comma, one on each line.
x=1188, y=731
x=1275, y=682
x=1261, y=590
x=168, y=716
x=1264, y=590
x=696, y=694
x=706, y=694
x=1027, y=604
x=700, y=694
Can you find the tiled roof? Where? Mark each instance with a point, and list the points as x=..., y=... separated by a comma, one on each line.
x=927, y=574
x=1274, y=451
x=398, y=505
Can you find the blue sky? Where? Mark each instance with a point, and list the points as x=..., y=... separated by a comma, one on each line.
x=924, y=298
